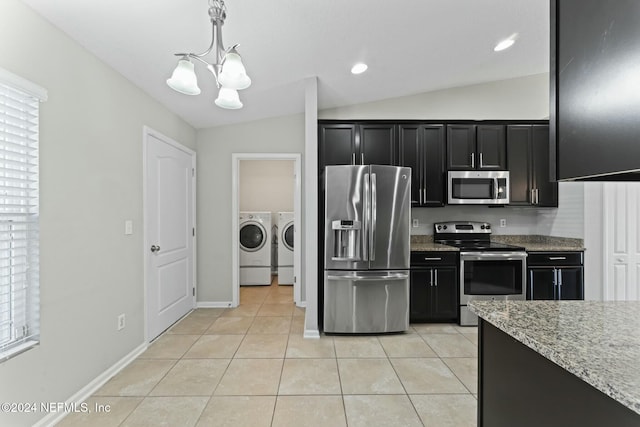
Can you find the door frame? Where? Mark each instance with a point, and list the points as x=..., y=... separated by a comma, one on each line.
x=236, y=158
x=146, y=133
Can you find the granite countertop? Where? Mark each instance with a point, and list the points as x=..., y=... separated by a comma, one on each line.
x=599, y=342
x=537, y=243
x=531, y=243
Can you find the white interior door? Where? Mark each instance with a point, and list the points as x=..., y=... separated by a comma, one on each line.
x=622, y=241
x=169, y=237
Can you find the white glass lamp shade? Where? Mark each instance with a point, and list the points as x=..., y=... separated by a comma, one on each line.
x=228, y=98
x=184, y=79
x=233, y=74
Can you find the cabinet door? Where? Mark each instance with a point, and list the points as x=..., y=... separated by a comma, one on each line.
x=433, y=169
x=570, y=283
x=546, y=190
x=541, y=283
x=444, y=303
x=491, y=147
x=410, y=156
x=461, y=147
x=420, y=298
x=519, y=162
x=337, y=144
x=377, y=144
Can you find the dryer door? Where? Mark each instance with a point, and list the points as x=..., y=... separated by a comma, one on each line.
x=287, y=236
x=253, y=236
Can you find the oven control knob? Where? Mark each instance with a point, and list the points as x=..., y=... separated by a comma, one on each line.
x=488, y=227
x=439, y=227
x=445, y=227
x=482, y=227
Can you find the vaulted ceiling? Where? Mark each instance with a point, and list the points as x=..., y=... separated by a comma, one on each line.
x=411, y=46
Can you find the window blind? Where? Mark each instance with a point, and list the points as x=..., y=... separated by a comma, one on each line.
x=19, y=212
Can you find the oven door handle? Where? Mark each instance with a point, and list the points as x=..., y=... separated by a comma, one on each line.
x=484, y=256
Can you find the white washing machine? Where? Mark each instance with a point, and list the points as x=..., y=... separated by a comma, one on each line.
x=285, y=248
x=255, y=248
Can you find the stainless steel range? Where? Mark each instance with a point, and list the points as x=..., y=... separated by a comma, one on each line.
x=488, y=270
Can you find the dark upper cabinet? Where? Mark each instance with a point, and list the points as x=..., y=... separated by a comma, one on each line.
x=594, y=102
x=422, y=149
x=461, y=147
x=357, y=144
x=337, y=143
x=528, y=160
x=546, y=191
x=377, y=145
x=476, y=147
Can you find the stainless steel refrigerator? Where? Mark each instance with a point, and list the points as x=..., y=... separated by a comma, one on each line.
x=367, y=249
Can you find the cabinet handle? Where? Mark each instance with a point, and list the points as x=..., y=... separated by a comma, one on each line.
x=362, y=158
x=480, y=161
x=353, y=158
x=532, y=284
x=431, y=278
x=533, y=196
x=424, y=195
x=537, y=196
x=436, y=276
x=557, y=258
x=432, y=259
x=473, y=160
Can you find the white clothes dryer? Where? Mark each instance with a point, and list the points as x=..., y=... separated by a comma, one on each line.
x=285, y=248
x=255, y=248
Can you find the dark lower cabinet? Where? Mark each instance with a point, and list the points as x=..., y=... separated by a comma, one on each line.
x=555, y=276
x=434, y=287
x=519, y=387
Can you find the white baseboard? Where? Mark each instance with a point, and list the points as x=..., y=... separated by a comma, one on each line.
x=312, y=333
x=302, y=304
x=214, y=304
x=85, y=392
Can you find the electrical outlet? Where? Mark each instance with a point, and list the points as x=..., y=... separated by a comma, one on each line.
x=416, y=223
x=121, y=322
x=503, y=222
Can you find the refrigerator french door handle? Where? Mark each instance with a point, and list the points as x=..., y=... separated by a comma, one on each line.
x=374, y=206
x=390, y=276
x=366, y=217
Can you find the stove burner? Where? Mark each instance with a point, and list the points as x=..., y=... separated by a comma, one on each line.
x=470, y=237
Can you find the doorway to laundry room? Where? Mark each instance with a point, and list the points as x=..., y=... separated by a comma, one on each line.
x=267, y=196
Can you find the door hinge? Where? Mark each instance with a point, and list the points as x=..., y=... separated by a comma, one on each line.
x=294, y=279
x=193, y=291
x=193, y=171
x=193, y=231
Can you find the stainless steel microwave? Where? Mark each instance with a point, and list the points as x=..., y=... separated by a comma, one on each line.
x=478, y=187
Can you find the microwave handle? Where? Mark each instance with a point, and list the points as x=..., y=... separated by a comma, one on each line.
x=496, y=187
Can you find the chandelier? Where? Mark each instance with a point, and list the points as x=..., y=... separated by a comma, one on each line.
x=228, y=71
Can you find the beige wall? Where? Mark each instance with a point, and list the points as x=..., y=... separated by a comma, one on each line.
x=91, y=181
x=266, y=186
x=215, y=147
x=520, y=98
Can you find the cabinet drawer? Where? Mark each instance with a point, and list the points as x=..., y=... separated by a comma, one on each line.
x=554, y=258
x=434, y=258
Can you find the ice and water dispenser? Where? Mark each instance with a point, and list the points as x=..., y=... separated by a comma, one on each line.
x=346, y=235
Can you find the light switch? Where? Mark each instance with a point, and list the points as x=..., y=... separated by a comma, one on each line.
x=128, y=227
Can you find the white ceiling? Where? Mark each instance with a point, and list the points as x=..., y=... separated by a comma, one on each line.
x=411, y=46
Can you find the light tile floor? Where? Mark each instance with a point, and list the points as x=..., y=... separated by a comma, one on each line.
x=250, y=366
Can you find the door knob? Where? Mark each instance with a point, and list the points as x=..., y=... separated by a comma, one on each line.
x=155, y=248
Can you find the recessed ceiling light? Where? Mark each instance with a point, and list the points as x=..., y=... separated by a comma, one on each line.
x=506, y=43
x=359, y=68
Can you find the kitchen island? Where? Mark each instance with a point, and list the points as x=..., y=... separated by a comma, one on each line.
x=558, y=363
